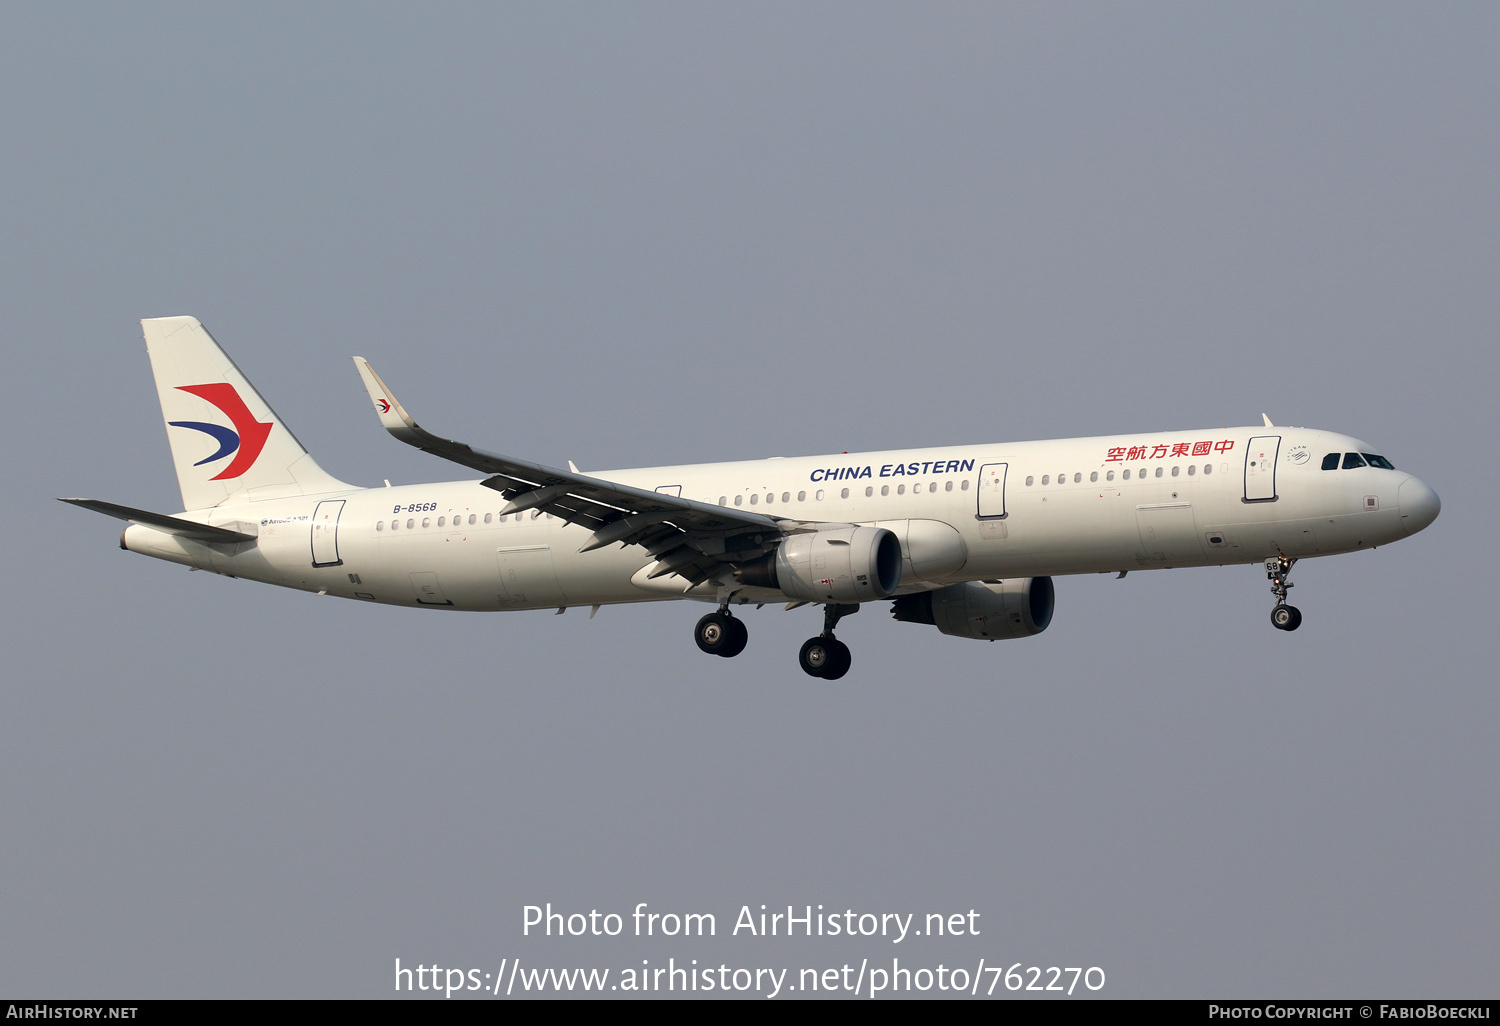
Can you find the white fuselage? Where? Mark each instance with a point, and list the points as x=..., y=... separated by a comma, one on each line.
x=965, y=513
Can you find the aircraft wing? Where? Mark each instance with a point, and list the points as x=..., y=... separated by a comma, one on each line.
x=696, y=540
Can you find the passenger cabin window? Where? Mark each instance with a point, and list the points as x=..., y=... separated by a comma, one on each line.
x=1379, y=461
x=1352, y=460
x=844, y=494
x=1046, y=478
x=1029, y=480
x=1331, y=461
x=801, y=496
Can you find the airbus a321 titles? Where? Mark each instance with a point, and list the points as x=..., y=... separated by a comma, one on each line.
x=964, y=538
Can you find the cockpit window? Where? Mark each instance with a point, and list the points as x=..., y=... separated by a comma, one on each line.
x=1331, y=461
x=1352, y=460
x=1379, y=461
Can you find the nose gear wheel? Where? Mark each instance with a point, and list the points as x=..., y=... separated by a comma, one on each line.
x=1283, y=616
x=1286, y=618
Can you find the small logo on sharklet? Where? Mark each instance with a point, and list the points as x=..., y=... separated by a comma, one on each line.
x=385, y=405
x=246, y=438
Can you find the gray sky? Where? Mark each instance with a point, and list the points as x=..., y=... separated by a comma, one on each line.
x=652, y=234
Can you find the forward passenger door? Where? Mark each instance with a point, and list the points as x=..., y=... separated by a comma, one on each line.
x=1260, y=468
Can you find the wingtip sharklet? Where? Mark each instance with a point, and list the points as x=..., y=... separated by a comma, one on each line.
x=393, y=416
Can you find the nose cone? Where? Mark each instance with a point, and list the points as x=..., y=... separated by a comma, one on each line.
x=1419, y=505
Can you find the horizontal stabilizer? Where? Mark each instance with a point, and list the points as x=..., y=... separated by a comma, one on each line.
x=171, y=525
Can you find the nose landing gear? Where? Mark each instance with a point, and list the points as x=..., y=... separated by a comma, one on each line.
x=721, y=634
x=1283, y=616
x=826, y=656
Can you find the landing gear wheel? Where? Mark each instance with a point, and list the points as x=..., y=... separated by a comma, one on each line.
x=823, y=657
x=814, y=656
x=839, y=663
x=739, y=635
x=1283, y=616
x=721, y=634
x=1286, y=618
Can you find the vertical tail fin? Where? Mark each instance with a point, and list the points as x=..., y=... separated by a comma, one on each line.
x=226, y=440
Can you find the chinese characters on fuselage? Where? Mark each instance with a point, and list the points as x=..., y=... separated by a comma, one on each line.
x=1167, y=452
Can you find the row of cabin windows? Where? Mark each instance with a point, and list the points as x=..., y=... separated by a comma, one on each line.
x=458, y=521
x=1109, y=475
x=932, y=487
x=916, y=489
x=1355, y=459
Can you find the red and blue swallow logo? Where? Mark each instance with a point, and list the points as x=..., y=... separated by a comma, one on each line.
x=247, y=438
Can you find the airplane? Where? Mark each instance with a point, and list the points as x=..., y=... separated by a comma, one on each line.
x=966, y=539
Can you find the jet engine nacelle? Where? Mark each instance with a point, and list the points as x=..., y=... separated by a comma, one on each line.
x=986, y=610
x=844, y=565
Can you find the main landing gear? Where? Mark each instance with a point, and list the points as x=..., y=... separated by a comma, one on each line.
x=826, y=656
x=721, y=634
x=1283, y=616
